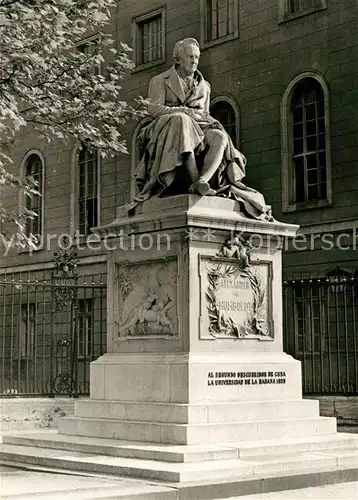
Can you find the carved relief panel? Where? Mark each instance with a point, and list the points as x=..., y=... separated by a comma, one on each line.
x=147, y=299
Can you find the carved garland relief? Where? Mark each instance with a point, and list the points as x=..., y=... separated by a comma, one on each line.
x=235, y=301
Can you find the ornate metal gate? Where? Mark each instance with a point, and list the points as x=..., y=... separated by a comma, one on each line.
x=321, y=331
x=52, y=325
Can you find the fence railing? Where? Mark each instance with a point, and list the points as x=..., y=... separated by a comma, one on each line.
x=51, y=328
x=53, y=325
x=320, y=329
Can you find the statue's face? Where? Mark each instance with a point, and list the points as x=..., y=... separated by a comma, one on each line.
x=189, y=59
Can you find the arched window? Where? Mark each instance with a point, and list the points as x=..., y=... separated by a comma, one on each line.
x=306, y=157
x=309, y=141
x=33, y=170
x=88, y=190
x=225, y=113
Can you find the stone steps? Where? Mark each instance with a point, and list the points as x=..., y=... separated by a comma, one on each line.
x=36, y=483
x=195, y=413
x=89, y=494
x=117, y=494
x=254, y=466
x=125, y=449
x=191, y=453
x=337, y=441
x=162, y=432
x=33, y=483
x=153, y=470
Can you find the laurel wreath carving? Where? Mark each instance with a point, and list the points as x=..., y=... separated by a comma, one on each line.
x=219, y=324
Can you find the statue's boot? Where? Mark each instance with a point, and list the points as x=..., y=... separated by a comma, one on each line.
x=202, y=187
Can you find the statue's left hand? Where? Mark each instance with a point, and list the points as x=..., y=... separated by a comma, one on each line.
x=194, y=114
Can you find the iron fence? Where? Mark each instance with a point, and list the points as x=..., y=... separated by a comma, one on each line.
x=320, y=325
x=52, y=325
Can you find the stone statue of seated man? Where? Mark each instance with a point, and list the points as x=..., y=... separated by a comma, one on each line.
x=183, y=137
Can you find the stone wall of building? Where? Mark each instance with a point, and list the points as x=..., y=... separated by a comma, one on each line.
x=344, y=408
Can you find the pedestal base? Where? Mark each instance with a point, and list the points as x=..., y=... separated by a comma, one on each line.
x=195, y=399
x=212, y=471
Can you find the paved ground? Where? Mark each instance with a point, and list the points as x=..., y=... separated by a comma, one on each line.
x=343, y=491
x=29, y=484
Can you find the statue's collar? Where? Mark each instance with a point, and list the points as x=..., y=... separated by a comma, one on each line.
x=172, y=80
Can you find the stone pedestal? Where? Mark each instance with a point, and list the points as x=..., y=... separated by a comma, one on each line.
x=194, y=334
x=195, y=387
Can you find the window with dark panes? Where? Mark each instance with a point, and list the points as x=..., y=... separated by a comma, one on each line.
x=150, y=39
x=34, y=202
x=89, y=49
x=309, y=141
x=85, y=320
x=88, y=190
x=296, y=6
x=220, y=20
x=225, y=114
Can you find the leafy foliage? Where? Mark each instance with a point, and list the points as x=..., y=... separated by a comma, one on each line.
x=49, y=82
x=218, y=322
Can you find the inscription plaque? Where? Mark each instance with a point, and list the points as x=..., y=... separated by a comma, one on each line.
x=235, y=299
x=233, y=378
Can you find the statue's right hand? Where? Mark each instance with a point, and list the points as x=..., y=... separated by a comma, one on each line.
x=193, y=113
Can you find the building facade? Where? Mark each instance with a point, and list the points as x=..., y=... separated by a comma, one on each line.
x=284, y=83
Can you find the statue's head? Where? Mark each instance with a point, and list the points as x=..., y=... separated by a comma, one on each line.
x=186, y=55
